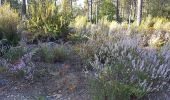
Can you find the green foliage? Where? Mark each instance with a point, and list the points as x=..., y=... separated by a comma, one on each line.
x=19, y=74
x=9, y=21
x=114, y=78
x=45, y=19
x=154, y=23
x=107, y=9
x=53, y=54
x=13, y=3
x=79, y=27
x=40, y=98
x=2, y=69
x=158, y=8
x=14, y=54
x=77, y=11
x=113, y=90
x=80, y=22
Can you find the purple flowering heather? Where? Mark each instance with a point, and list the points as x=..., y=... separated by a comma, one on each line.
x=130, y=63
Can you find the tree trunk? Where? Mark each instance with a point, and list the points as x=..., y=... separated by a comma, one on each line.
x=96, y=11
x=134, y=3
x=91, y=5
x=117, y=10
x=86, y=5
x=139, y=12
x=129, y=20
x=0, y=2
x=23, y=8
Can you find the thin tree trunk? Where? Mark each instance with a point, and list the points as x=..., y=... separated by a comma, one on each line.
x=0, y=2
x=134, y=15
x=139, y=12
x=96, y=11
x=87, y=10
x=129, y=20
x=91, y=17
x=117, y=10
x=23, y=8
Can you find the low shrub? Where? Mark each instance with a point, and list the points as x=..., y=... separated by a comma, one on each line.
x=52, y=54
x=123, y=70
x=88, y=48
x=86, y=30
x=14, y=54
x=80, y=28
x=150, y=23
x=9, y=20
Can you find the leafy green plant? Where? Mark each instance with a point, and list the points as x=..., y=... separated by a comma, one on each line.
x=107, y=9
x=45, y=19
x=14, y=54
x=9, y=20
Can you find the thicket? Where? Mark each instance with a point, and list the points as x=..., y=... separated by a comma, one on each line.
x=46, y=19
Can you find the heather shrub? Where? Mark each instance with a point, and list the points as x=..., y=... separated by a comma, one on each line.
x=87, y=49
x=122, y=68
x=9, y=20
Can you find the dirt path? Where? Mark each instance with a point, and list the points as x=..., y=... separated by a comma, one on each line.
x=48, y=84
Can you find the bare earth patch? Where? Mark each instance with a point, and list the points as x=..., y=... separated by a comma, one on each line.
x=50, y=83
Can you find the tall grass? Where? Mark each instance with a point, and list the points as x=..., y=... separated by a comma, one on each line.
x=9, y=20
